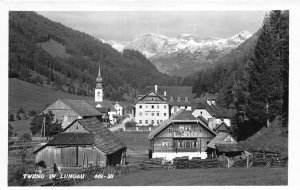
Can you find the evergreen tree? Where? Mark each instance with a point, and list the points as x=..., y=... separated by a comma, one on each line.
x=265, y=73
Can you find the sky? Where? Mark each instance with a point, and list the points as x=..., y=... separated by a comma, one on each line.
x=128, y=25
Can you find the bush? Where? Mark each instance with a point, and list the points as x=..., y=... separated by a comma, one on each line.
x=130, y=124
x=26, y=137
x=41, y=164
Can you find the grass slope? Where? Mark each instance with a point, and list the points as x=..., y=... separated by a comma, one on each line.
x=33, y=97
x=192, y=177
x=268, y=139
x=55, y=49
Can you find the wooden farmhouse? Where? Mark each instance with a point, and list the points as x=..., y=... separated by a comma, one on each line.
x=223, y=144
x=66, y=111
x=85, y=142
x=181, y=135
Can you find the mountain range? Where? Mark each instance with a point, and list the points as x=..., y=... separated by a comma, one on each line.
x=184, y=54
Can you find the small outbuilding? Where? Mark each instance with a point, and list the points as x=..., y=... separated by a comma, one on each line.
x=223, y=144
x=83, y=143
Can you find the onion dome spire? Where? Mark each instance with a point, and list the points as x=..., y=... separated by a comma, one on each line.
x=99, y=80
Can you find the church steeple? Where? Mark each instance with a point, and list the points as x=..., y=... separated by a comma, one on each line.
x=99, y=88
x=99, y=80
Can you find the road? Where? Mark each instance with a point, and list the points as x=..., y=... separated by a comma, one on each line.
x=122, y=124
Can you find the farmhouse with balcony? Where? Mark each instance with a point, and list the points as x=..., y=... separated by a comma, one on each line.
x=181, y=135
x=83, y=143
x=66, y=111
x=213, y=113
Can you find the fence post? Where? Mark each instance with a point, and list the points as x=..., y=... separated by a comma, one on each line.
x=247, y=161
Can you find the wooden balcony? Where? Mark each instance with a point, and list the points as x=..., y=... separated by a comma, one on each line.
x=186, y=134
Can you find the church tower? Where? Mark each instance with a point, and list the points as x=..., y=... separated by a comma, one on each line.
x=99, y=89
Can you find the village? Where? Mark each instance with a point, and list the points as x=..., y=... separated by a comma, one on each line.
x=148, y=98
x=165, y=128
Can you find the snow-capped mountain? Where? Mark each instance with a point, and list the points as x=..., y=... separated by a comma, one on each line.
x=183, y=54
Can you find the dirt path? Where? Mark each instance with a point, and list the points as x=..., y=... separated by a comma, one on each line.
x=122, y=124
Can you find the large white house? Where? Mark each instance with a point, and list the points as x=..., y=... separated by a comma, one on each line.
x=160, y=102
x=151, y=109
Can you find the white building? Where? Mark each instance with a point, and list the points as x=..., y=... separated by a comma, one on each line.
x=214, y=114
x=160, y=102
x=151, y=109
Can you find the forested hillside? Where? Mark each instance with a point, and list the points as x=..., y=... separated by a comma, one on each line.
x=253, y=79
x=50, y=54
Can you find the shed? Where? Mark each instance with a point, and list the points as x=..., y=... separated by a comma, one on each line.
x=223, y=143
x=85, y=142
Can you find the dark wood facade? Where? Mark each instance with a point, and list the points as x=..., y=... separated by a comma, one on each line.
x=182, y=137
x=76, y=147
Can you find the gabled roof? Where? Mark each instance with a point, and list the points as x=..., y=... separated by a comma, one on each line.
x=81, y=107
x=203, y=119
x=229, y=147
x=215, y=110
x=222, y=125
x=104, y=104
x=179, y=116
x=103, y=138
x=174, y=91
x=72, y=139
x=151, y=91
x=219, y=141
x=99, y=135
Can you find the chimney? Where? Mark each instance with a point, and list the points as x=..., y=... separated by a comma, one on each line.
x=213, y=101
x=212, y=123
x=165, y=93
x=155, y=88
x=209, y=102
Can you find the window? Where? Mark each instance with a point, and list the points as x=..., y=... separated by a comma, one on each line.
x=146, y=121
x=170, y=130
x=157, y=114
x=165, y=114
x=157, y=106
x=185, y=107
x=140, y=121
x=164, y=144
x=157, y=121
x=193, y=144
x=187, y=128
x=165, y=106
x=181, y=128
x=152, y=121
x=152, y=106
x=140, y=113
x=180, y=144
x=146, y=106
x=141, y=106
x=200, y=130
x=152, y=114
x=161, y=121
x=146, y=114
x=201, y=112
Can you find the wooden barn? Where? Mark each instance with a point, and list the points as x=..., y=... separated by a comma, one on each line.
x=66, y=111
x=223, y=144
x=181, y=135
x=85, y=142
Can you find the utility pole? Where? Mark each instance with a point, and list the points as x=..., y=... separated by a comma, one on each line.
x=44, y=123
x=267, y=109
